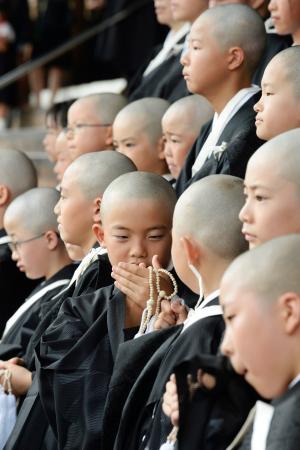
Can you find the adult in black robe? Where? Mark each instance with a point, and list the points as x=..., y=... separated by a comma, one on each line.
x=15, y=286
x=241, y=142
x=31, y=416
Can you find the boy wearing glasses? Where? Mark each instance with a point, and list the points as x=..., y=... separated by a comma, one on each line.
x=90, y=123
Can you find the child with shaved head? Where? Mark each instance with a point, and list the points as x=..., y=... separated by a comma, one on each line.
x=136, y=219
x=271, y=209
x=201, y=252
x=137, y=133
x=90, y=122
x=181, y=125
x=40, y=253
x=78, y=211
x=226, y=44
x=262, y=315
x=280, y=92
x=17, y=175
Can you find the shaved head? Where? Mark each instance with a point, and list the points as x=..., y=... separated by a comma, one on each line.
x=105, y=106
x=238, y=25
x=281, y=155
x=269, y=270
x=144, y=116
x=208, y=212
x=17, y=172
x=34, y=210
x=289, y=60
x=139, y=185
x=93, y=172
x=193, y=111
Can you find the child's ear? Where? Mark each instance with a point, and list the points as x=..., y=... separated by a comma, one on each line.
x=161, y=149
x=235, y=58
x=52, y=239
x=5, y=195
x=109, y=137
x=99, y=233
x=96, y=209
x=289, y=304
x=191, y=250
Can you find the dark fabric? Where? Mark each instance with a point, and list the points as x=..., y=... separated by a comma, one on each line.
x=284, y=431
x=165, y=81
x=211, y=419
x=124, y=46
x=275, y=44
x=142, y=414
x=76, y=357
x=15, y=287
x=242, y=142
x=20, y=333
x=31, y=415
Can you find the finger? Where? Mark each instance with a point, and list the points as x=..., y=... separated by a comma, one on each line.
x=165, y=307
x=17, y=361
x=161, y=324
x=135, y=288
x=175, y=418
x=135, y=269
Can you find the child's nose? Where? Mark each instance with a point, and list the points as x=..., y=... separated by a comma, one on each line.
x=185, y=57
x=244, y=215
x=258, y=106
x=138, y=249
x=57, y=208
x=226, y=345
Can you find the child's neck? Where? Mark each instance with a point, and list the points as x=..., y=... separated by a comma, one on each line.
x=57, y=261
x=226, y=92
x=296, y=37
x=212, y=275
x=88, y=244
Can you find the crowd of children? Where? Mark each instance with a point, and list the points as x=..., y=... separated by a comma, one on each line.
x=152, y=298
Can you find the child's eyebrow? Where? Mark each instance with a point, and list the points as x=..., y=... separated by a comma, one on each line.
x=156, y=227
x=257, y=186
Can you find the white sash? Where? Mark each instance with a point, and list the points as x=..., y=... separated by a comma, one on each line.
x=4, y=240
x=30, y=301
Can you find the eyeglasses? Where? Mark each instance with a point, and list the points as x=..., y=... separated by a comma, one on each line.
x=15, y=245
x=80, y=126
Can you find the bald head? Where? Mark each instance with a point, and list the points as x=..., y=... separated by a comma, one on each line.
x=93, y=172
x=144, y=116
x=33, y=210
x=105, y=106
x=17, y=172
x=192, y=112
x=269, y=270
x=208, y=212
x=281, y=155
x=238, y=25
x=139, y=186
x=289, y=61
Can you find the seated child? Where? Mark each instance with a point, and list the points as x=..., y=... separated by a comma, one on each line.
x=137, y=133
x=280, y=92
x=78, y=211
x=271, y=209
x=136, y=219
x=261, y=303
x=62, y=154
x=17, y=175
x=181, y=126
x=206, y=237
x=286, y=18
x=233, y=36
x=90, y=122
x=39, y=252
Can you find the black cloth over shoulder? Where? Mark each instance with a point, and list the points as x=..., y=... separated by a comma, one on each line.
x=15, y=286
x=19, y=335
x=142, y=422
x=240, y=137
x=31, y=420
x=76, y=356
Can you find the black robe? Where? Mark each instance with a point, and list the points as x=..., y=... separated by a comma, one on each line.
x=15, y=286
x=142, y=422
x=242, y=142
x=76, y=359
x=31, y=418
x=165, y=81
x=16, y=339
x=284, y=431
